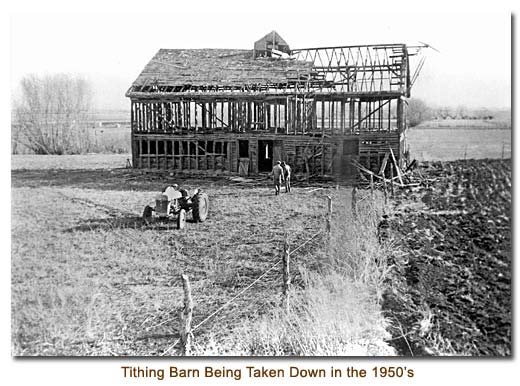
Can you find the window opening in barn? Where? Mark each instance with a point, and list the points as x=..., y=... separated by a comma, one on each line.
x=153, y=147
x=169, y=148
x=161, y=147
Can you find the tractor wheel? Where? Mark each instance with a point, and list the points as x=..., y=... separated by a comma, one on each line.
x=200, y=207
x=181, y=219
x=147, y=214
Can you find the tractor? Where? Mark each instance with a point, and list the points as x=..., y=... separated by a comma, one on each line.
x=175, y=203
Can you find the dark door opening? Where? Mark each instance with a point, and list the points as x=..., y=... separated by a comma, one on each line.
x=243, y=149
x=265, y=156
x=243, y=157
x=350, y=153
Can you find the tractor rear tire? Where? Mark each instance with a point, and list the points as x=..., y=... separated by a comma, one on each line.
x=200, y=207
x=181, y=219
x=147, y=214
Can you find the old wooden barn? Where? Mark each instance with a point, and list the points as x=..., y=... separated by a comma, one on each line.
x=212, y=111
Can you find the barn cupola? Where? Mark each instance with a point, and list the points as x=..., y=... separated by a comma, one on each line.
x=271, y=46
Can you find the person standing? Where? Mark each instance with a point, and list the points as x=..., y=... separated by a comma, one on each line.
x=278, y=173
x=286, y=176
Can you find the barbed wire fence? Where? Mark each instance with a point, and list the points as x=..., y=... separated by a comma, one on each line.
x=186, y=331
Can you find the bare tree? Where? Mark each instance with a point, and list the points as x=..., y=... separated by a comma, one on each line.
x=51, y=114
x=418, y=111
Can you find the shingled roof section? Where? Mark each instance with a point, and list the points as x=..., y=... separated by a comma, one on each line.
x=218, y=68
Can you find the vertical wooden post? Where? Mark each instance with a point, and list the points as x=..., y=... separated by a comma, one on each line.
x=286, y=276
x=400, y=115
x=133, y=130
x=384, y=189
x=392, y=180
x=186, y=317
x=372, y=186
x=329, y=213
x=354, y=203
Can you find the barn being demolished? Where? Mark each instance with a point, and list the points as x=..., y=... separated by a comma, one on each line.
x=214, y=111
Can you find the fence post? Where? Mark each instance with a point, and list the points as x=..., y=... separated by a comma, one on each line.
x=384, y=188
x=329, y=213
x=354, y=203
x=392, y=180
x=372, y=186
x=186, y=316
x=286, y=276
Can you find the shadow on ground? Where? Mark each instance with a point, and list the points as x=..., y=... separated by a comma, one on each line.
x=102, y=179
x=131, y=179
x=130, y=222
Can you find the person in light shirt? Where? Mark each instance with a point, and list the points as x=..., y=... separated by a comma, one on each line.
x=278, y=174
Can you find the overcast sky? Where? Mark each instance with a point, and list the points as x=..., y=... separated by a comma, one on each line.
x=473, y=67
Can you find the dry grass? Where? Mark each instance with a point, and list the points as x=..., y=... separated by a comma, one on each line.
x=69, y=162
x=89, y=278
x=334, y=305
x=452, y=143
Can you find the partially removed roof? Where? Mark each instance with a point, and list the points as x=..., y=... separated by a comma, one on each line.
x=217, y=68
x=273, y=68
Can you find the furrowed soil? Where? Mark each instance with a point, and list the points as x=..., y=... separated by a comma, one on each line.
x=89, y=277
x=450, y=289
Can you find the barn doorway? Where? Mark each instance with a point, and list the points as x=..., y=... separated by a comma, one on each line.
x=265, y=156
x=350, y=153
x=243, y=157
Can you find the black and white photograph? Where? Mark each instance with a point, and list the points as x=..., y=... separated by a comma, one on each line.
x=261, y=183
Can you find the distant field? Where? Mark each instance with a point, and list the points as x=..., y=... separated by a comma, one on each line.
x=84, y=161
x=489, y=124
x=447, y=144
x=115, y=139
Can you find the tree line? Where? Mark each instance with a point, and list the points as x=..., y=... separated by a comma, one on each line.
x=419, y=111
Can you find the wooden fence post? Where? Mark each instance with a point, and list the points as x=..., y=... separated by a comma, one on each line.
x=286, y=276
x=186, y=317
x=384, y=188
x=372, y=186
x=329, y=213
x=392, y=180
x=354, y=203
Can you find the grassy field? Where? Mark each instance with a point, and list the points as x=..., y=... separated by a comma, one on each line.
x=454, y=139
x=449, y=144
x=90, y=278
